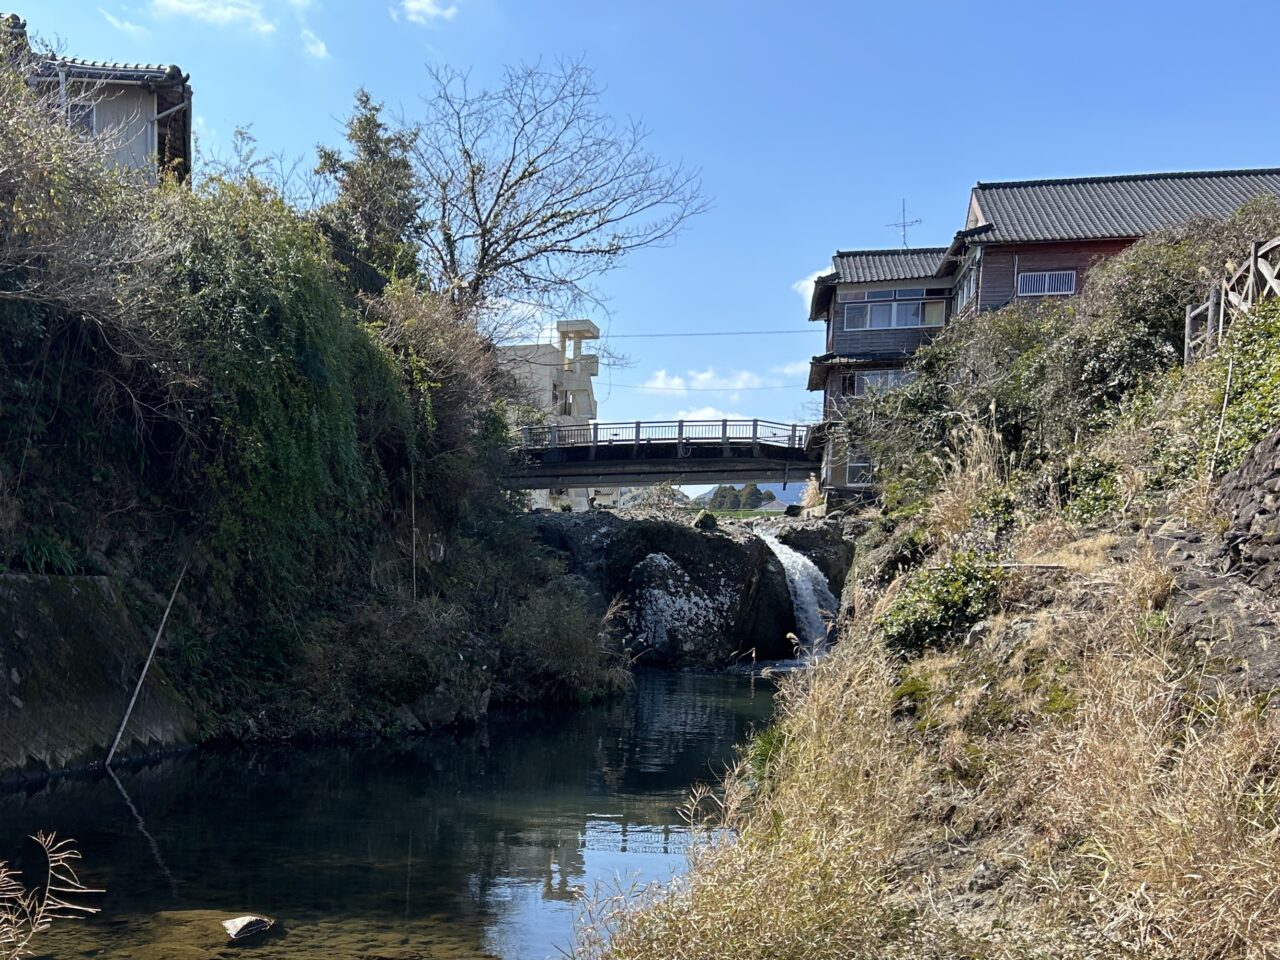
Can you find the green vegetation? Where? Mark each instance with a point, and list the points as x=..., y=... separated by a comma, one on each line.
x=729, y=498
x=1016, y=751
x=196, y=375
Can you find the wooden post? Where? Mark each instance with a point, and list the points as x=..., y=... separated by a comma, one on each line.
x=1251, y=292
x=793, y=435
x=636, y=447
x=724, y=436
x=1188, y=335
x=679, y=438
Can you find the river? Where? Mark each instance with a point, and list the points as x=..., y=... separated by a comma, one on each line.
x=444, y=846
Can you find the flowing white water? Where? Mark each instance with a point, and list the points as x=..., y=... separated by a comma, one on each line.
x=814, y=604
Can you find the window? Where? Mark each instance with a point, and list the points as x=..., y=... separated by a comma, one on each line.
x=869, y=382
x=80, y=118
x=857, y=471
x=885, y=316
x=966, y=288
x=911, y=293
x=1047, y=283
x=879, y=294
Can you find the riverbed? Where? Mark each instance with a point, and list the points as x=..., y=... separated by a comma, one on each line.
x=444, y=846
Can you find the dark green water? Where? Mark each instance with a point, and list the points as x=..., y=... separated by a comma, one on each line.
x=442, y=846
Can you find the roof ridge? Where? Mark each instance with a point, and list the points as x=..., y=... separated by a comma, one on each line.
x=1129, y=177
x=849, y=253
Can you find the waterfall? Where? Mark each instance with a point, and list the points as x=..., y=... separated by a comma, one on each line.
x=814, y=604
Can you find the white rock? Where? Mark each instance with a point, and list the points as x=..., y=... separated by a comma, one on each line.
x=243, y=927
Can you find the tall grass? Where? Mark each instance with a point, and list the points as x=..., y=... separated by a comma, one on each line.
x=1072, y=784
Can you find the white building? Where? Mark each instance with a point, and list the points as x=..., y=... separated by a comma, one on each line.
x=558, y=383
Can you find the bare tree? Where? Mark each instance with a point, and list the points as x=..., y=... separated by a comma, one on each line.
x=529, y=191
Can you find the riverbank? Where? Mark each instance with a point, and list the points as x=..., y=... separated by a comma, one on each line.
x=1050, y=729
x=688, y=598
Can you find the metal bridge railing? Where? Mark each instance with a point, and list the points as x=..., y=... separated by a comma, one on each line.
x=680, y=432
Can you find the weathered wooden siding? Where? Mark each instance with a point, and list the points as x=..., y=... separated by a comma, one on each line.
x=1001, y=265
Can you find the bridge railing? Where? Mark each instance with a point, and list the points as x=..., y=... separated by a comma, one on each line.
x=680, y=432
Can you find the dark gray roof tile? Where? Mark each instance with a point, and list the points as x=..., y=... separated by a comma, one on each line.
x=1125, y=206
x=875, y=266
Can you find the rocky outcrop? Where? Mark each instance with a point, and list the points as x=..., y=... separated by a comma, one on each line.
x=1250, y=495
x=693, y=596
x=70, y=655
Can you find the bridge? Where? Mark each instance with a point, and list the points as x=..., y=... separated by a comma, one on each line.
x=638, y=453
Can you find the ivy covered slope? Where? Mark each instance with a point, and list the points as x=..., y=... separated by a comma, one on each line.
x=1049, y=730
x=187, y=376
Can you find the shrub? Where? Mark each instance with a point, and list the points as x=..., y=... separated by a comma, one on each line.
x=933, y=604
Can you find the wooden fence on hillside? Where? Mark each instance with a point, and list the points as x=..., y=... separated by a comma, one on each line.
x=1257, y=279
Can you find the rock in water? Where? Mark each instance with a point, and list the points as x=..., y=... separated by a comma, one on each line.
x=242, y=928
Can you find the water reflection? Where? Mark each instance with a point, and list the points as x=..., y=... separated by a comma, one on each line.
x=436, y=847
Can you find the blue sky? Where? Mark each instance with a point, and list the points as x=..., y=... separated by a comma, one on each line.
x=810, y=121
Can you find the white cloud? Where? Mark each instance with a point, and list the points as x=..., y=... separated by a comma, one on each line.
x=220, y=13
x=124, y=26
x=797, y=368
x=314, y=46
x=706, y=379
x=805, y=287
x=709, y=413
x=661, y=380
x=426, y=11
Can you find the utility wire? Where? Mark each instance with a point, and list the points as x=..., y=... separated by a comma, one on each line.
x=707, y=333
x=642, y=386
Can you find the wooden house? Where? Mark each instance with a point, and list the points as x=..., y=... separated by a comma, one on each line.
x=1025, y=239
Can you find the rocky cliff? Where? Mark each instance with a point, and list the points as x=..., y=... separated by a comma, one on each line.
x=1250, y=495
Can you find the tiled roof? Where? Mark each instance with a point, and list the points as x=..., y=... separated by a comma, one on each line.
x=106, y=70
x=874, y=266
x=1126, y=206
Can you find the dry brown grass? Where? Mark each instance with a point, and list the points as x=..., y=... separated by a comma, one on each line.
x=974, y=468
x=1070, y=785
x=1083, y=555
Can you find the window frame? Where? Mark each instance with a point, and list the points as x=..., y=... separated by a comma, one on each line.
x=865, y=467
x=1045, y=275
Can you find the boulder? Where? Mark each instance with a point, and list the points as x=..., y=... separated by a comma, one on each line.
x=693, y=596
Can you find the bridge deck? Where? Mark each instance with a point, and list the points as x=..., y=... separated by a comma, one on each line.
x=637, y=453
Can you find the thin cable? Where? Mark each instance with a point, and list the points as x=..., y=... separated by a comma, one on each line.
x=709, y=333
x=641, y=386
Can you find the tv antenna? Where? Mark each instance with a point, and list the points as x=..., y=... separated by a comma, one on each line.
x=904, y=223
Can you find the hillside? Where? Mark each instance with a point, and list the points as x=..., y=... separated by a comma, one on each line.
x=1049, y=728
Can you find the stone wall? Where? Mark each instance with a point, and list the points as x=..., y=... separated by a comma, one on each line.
x=1250, y=496
x=70, y=655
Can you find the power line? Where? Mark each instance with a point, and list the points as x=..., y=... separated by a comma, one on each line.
x=706, y=333
x=642, y=386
